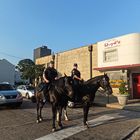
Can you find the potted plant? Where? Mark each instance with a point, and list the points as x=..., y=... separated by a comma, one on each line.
x=123, y=93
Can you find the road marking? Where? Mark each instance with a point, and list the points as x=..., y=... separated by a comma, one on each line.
x=65, y=133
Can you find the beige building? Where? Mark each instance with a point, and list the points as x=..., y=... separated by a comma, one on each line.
x=119, y=57
x=64, y=61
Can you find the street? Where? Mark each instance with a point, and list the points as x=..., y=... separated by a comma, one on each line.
x=105, y=124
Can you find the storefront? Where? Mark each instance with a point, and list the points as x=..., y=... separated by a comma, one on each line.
x=120, y=58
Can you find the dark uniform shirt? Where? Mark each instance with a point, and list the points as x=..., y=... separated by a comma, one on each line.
x=77, y=73
x=50, y=74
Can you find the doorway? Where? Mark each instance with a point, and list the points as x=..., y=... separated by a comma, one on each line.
x=136, y=85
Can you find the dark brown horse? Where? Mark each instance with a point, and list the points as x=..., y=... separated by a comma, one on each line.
x=58, y=95
x=86, y=92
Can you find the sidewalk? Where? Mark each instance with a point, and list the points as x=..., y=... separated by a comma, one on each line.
x=132, y=105
x=112, y=102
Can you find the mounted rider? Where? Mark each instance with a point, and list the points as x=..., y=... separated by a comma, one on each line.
x=76, y=75
x=50, y=74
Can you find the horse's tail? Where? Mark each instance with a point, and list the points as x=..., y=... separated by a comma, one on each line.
x=40, y=87
x=33, y=99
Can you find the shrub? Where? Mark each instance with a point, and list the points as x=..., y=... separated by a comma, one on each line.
x=123, y=88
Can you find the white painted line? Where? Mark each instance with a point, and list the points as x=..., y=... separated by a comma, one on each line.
x=100, y=120
x=65, y=133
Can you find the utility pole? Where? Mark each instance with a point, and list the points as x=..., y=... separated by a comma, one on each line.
x=90, y=49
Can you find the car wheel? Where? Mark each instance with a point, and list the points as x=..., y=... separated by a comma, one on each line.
x=27, y=96
x=18, y=104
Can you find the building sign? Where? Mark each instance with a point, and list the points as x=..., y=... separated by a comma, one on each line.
x=123, y=50
x=112, y=43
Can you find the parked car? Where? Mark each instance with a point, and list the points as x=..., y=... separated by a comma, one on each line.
x=26, y=91
x=9, y=95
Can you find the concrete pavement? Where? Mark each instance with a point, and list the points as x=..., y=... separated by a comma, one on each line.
x=112, y=102
x=132, y=105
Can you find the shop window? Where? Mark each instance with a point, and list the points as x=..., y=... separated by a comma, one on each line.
x=111, y=55
x=116, y=78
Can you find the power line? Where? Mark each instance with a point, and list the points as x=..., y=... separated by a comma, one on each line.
x=11, y=55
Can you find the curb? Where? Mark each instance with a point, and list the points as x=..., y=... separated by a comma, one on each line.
x=130, y=133
x=99, y=104
x=112, y=105
x=115, y=105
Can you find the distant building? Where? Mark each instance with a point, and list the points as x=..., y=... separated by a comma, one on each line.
x=41, y=52
x=7, y=71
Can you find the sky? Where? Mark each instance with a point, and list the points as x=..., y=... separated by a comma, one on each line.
x=62, y=24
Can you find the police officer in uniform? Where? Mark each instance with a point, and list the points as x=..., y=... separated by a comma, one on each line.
x=76, y=75
x=49, y=76
x=50, y=73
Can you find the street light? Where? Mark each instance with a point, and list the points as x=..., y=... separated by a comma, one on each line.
x=90, y=49
x=53, y=57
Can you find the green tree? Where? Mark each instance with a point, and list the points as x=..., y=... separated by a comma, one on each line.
x=26, y=67
x=39, y=70
x=29, y=70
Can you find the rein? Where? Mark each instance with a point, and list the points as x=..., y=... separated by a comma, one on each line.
x=61, y=90
x=103, y=92
x=98, y=82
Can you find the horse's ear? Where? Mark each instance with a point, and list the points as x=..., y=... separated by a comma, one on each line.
x=65, y=75
x=105, y=74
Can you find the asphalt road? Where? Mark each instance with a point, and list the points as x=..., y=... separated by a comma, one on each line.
x=105, y=124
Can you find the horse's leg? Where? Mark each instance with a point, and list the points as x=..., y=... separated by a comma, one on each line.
x=65, y=113
x=85, y=111
x=41, y=106
x=53, y=116
x=57, y=116
x=60, y=114
x=37, y=108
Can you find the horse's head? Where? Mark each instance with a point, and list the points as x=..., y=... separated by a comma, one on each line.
x=68, y=81
x=105, y=84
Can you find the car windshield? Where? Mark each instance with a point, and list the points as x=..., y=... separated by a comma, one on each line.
x=6, y=87
x=30, y=88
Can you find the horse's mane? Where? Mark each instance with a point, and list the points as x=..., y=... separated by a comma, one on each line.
x=60, y=79
x=94, y=79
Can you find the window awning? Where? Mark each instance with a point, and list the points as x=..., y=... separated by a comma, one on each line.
x=120, y=67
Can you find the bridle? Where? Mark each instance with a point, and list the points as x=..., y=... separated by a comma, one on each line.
x=103, y=83
x=67, y=86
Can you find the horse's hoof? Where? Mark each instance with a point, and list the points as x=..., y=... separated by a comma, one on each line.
x=66, y=119
x=54, y=129
x=37, y=121
x=60, y=126
x=86, y=126
x=40, y=119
